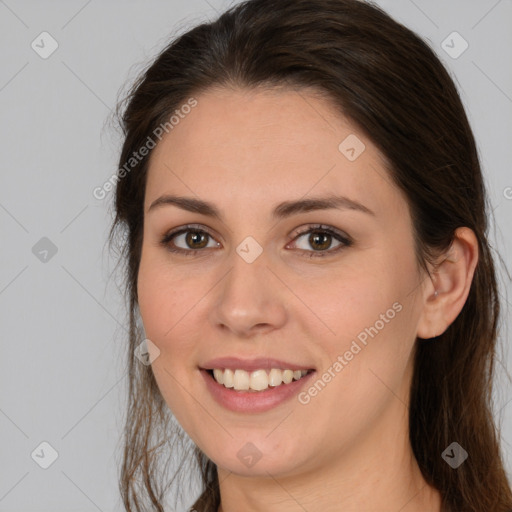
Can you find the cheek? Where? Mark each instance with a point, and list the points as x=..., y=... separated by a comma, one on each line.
x=159, y=302
x=163, y=306
x=371, y=315
x=158, y=289
x=349, y=300
x=364, y=370
x=169, y=305
x=153, y=300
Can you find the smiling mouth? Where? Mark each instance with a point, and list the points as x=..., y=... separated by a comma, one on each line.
x=256, y=381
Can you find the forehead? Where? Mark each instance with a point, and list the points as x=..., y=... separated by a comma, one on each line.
x=242, y=145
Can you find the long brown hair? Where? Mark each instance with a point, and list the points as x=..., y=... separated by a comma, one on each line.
x=390, y=83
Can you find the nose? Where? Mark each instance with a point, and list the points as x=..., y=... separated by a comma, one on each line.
x=250, y=299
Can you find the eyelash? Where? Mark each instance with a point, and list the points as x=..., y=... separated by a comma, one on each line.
x=319, y=228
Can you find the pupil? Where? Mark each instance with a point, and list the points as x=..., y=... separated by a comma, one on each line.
x=314, y=240
x=194, y=236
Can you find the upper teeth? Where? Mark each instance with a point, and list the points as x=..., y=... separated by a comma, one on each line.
x=258, y=380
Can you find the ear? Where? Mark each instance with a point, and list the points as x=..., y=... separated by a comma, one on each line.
x=446, y=292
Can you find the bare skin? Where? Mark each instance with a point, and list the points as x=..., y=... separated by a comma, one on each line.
x=347, y=448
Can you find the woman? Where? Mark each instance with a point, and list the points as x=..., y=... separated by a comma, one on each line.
x=307, y=253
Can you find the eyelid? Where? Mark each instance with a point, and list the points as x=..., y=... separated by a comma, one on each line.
x=344, y=239
x=187, y=227
x=320, y=227
x=173, y=233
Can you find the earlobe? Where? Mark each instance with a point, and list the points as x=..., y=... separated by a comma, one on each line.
x=446, y=294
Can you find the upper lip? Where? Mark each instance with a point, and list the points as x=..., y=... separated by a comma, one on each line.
x=251, y=365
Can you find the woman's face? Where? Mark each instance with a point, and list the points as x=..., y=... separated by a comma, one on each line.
x=264, y=284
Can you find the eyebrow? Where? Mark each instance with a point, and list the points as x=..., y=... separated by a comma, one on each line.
x=281, y=211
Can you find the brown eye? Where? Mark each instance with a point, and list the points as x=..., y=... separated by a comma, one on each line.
x=188, y=241
x=320, y=239
x=196, y=239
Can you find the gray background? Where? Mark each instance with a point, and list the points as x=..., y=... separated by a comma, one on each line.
x=63, y=322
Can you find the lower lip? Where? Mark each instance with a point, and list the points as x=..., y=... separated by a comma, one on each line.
x=253, y=402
